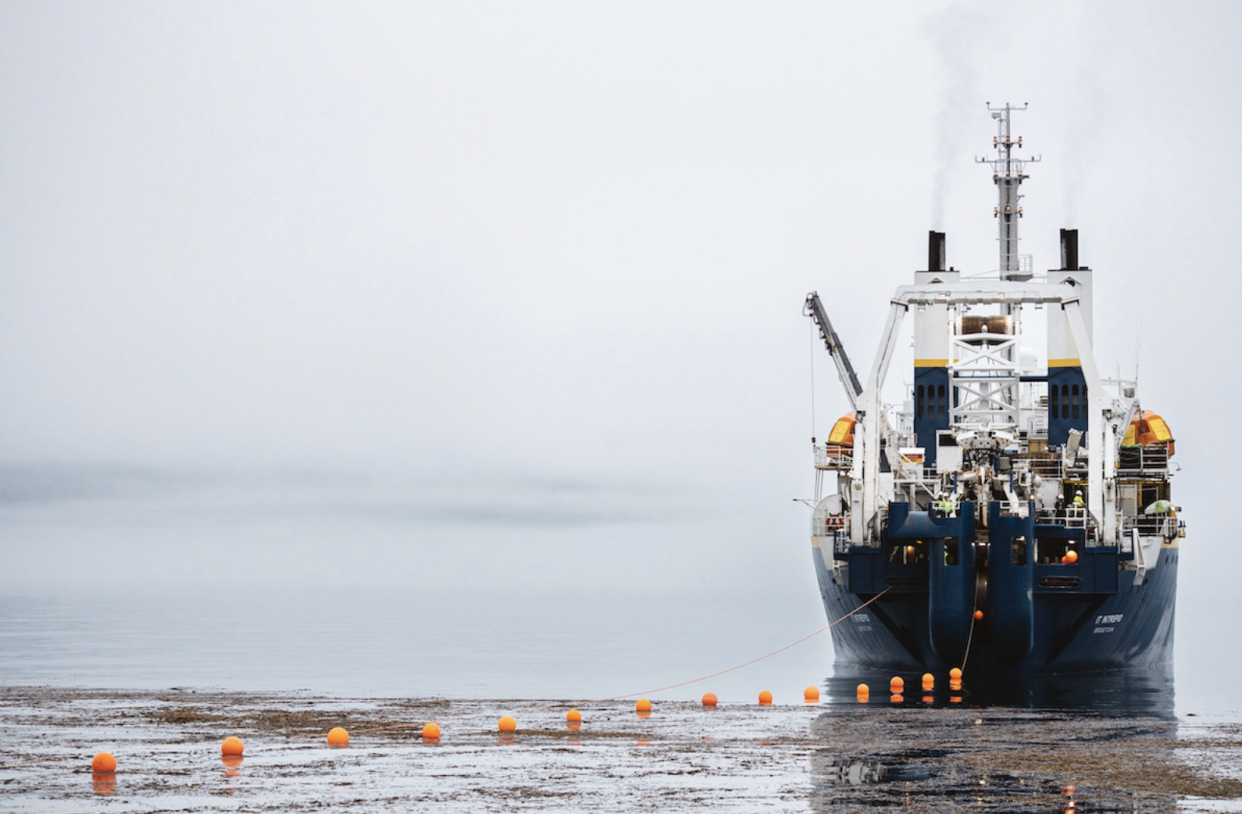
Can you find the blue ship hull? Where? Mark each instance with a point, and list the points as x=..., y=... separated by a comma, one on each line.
x=1038, y=618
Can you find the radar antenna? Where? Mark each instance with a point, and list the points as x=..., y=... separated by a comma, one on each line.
x=1008, y=176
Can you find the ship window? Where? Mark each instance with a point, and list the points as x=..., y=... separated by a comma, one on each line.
x=950, y=551
x=918, y=404
x=1074, y=400
x=1064, y=401
x=1049, y=550
x=1054, y=403
x=942, y=405
x=1019, y=550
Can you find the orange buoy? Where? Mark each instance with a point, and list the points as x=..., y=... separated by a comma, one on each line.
x=811, y=693
x=955, y=674
x=508, y=724
x=431, y=732
x=929, y=681
x=1071, y=556
x=103, y=763
x=643, y=705
x=573, y=715
x=978, y=615
x=765, y=698
x=709, y=699
x=864, y=692
x=897, y=684
x=338, y=737
x=232, y=746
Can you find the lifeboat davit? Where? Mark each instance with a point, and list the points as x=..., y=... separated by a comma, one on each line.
x=1148, y=429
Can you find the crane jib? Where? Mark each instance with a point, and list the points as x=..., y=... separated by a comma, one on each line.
x=815, y=310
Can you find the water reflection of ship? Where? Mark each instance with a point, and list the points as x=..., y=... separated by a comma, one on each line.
x=834, y=771
x=1013, y=516
x=1145, y=693
x=994, y=759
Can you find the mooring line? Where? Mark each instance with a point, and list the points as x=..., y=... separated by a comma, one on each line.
x=537, y=707
x=828, y=626
x=970, y=635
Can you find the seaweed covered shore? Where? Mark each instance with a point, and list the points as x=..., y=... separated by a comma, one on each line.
x=683, y=757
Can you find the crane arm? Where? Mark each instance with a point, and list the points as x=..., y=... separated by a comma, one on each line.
x=815, y=310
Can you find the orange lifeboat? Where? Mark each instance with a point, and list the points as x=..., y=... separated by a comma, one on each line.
x=838, y=449
x=1147, y=429
x=842, y=434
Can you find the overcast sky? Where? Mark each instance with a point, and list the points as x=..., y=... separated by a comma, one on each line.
x=471, y=294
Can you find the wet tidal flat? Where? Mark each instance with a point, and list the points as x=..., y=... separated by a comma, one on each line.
x=683, y=757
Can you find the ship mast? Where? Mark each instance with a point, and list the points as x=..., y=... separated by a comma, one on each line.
x=1008, y=176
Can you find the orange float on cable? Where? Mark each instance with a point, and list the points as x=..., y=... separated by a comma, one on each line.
x=765, y=698
x=507, y=724
x=573, y=716
x=929, y=681
x=232, y=746
x=709, y=699
x=811, y=694
x=863, y=692
x=978, y=615
x=896, y=685
x=643, y=705
x=103, y=763
x=955, y=674
x=338, y=737
x=1071, y=556
x=431, y=732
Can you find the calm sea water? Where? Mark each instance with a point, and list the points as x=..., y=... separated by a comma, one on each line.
x=390, y=643
x=565, y=645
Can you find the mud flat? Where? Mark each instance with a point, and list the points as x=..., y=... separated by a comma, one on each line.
x=840, y=757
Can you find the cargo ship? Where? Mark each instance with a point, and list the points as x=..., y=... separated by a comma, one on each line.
x=1012, y=515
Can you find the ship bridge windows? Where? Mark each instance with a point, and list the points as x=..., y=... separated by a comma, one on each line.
x=931, y=402
x=1067, y=401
